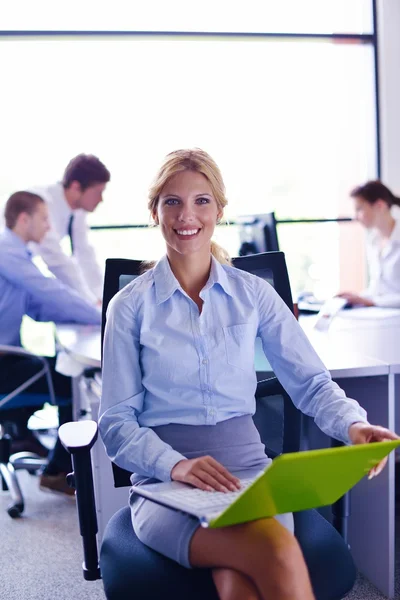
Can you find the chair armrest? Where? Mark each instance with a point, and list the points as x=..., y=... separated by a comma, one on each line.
x=78, y=438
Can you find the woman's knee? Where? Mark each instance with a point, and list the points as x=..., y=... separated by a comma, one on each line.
x=263, y=550
x=246, y=547
x=233, y=585
x=270, y=543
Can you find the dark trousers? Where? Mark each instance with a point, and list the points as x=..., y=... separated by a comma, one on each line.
x=15, y=370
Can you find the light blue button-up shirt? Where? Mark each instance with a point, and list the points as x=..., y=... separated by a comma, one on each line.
x=163, y=362
x=24, y=290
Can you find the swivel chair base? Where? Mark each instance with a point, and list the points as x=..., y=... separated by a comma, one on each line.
x=9, y=464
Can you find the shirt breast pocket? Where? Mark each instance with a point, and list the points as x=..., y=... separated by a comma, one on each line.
x=239, y=345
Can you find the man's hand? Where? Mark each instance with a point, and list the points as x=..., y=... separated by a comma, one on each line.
x=354, y=299
x=363, y=433
x=205, y=473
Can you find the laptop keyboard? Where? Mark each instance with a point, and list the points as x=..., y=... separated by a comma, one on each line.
x=198, y=499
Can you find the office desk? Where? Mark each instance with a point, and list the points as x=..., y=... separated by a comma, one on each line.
x=378, y=336
x=367, y=379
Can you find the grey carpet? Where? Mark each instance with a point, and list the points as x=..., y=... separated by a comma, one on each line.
x=41, y=553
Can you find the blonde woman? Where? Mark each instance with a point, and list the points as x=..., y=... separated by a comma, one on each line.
x=179, y=383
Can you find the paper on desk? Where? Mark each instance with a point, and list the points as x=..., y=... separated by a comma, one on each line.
x=68, y=366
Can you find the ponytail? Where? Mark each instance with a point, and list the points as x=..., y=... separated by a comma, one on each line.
x=220, y=254
x=396, y=201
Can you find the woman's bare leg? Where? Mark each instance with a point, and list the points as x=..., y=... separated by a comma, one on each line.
x=264, y=551
x=232, y=585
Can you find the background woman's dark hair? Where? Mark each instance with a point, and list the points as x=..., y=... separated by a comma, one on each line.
x=87, y=170
x=373, y=191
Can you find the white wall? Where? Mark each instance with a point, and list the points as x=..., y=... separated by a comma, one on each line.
x=389, y=87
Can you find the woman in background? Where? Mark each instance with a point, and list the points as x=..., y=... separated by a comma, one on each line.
x=179, y=383
x=376, y=208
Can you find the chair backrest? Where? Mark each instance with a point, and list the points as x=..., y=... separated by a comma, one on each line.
x=119, y=272
x=277, y=419
x=270, y=266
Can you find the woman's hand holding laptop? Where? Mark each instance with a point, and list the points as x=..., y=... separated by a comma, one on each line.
x=208, y=474
x=363, y=433
x=205, y=473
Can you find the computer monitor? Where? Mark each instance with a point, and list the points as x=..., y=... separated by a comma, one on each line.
x=257, y=233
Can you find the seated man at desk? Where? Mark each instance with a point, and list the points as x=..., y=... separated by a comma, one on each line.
x=68, y=202
x=24, y=290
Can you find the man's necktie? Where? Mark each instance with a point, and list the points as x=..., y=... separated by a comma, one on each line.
x=71, y=220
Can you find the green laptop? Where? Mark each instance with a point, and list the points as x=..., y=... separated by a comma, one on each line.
x=292, y=482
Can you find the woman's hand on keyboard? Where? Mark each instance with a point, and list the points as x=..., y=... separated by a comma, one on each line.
x=205, y=473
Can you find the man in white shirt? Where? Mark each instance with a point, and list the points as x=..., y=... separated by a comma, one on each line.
x=69, y=201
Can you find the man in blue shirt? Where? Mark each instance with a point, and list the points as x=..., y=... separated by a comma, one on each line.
x=24, y=290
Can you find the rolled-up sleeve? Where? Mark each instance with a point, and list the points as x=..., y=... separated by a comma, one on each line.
x=300, y=370
x=132, y=447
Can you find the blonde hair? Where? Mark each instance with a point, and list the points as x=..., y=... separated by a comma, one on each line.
x=192, y=160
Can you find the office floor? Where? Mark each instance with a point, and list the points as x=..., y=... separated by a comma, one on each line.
x=41, y=553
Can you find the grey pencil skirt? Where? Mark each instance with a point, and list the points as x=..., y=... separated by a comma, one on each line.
x=235, y=443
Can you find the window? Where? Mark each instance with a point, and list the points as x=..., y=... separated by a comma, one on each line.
x=294, y=16
x=291, y=121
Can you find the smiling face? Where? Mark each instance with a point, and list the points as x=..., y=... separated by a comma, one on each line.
x=187, y=213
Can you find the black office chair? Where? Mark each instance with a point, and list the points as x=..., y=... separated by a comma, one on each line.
x=126, y=565
x=20, y=397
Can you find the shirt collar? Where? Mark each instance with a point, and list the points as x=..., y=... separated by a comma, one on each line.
x=218, y=275
x=63, y=203
x=395, y=237
x=14, y=239
x=166, y=283
x=374, y=236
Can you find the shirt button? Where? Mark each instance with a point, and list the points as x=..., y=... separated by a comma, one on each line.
x=204, y=361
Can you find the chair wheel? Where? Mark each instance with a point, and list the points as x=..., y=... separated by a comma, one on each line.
x=15, y=510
